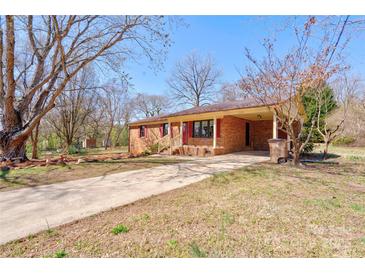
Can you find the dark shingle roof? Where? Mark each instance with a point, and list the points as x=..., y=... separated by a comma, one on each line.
x=150, y=119
x=219, y=107
x=246, y=103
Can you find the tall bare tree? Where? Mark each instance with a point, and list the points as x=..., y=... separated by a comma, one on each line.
x=231, y=92
x=350, y=92
x=60, y=47
x=278, y=80
x=151, y=105
x=194, y=80
x=73, y=107
x=126, y=116
x=116, y=112
x=95, y=121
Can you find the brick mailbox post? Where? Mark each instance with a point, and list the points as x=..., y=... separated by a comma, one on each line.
x=278, y=150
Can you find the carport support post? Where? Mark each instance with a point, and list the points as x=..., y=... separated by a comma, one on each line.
x=170, y=139
x=275, y=127
x=181, y=133
x=215, y=133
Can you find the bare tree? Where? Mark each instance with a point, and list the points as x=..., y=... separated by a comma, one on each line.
x=151, y=105
x=278, y=80
x=94, y=125
x=332, y=125
x=231, y=92
x=60, y=47
x=351, y=97
x=73, y=107
x=126, y=117
x=114, y=101
x=194, y=79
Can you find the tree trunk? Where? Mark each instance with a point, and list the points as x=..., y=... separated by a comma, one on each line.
x=107, y=141
x=34, y=138
x=68, y=144
x=119, y=132
x=296, y=154
x=296, y=158
x=108, y=137
x=13, y=150
x=12, y=145
x=325, y=151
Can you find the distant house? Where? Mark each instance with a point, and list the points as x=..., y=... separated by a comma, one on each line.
x=89, y=143
x=106, y=142
x=208, y=130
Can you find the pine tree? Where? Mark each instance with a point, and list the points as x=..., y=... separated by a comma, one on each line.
x=310, y=102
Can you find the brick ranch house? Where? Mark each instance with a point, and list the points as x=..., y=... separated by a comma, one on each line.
x=208, y=130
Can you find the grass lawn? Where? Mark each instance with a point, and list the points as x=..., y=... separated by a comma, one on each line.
x=351, y=153
x=263, y=210
x=34, y=176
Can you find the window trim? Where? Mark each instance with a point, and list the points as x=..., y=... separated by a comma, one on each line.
x=210, y=124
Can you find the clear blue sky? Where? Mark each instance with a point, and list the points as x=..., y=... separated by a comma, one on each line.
x=225, y=37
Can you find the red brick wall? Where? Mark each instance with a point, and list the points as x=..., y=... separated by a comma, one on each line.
x=175, y=129
x=233, y=133
x=200, y=141
x=282, y=134
x=262, y=131
x=138, y=145
x=232, y=136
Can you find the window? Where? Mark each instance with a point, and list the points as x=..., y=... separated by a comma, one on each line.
x=165, y=129
x=196, y=132
x=142, y=131
x=211, y=130
x=203, y=129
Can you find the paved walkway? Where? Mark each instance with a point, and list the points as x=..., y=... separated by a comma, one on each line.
x=30, y=210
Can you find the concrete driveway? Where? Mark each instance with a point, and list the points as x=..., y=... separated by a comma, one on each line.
x=30, y=210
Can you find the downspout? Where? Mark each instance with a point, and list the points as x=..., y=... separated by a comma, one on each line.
x=170, y=136
x=129, y=140
x=214, y=133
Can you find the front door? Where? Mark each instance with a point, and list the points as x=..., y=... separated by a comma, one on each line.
x=185, y=133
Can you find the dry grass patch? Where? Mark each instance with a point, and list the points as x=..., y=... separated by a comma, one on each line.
x=258, y=211
x=41, y=175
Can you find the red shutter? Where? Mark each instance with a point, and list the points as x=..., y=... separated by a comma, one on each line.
x=218, y=128
x=161, y=130
x=146, y=131
x=190, y=129
x=171, y=131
